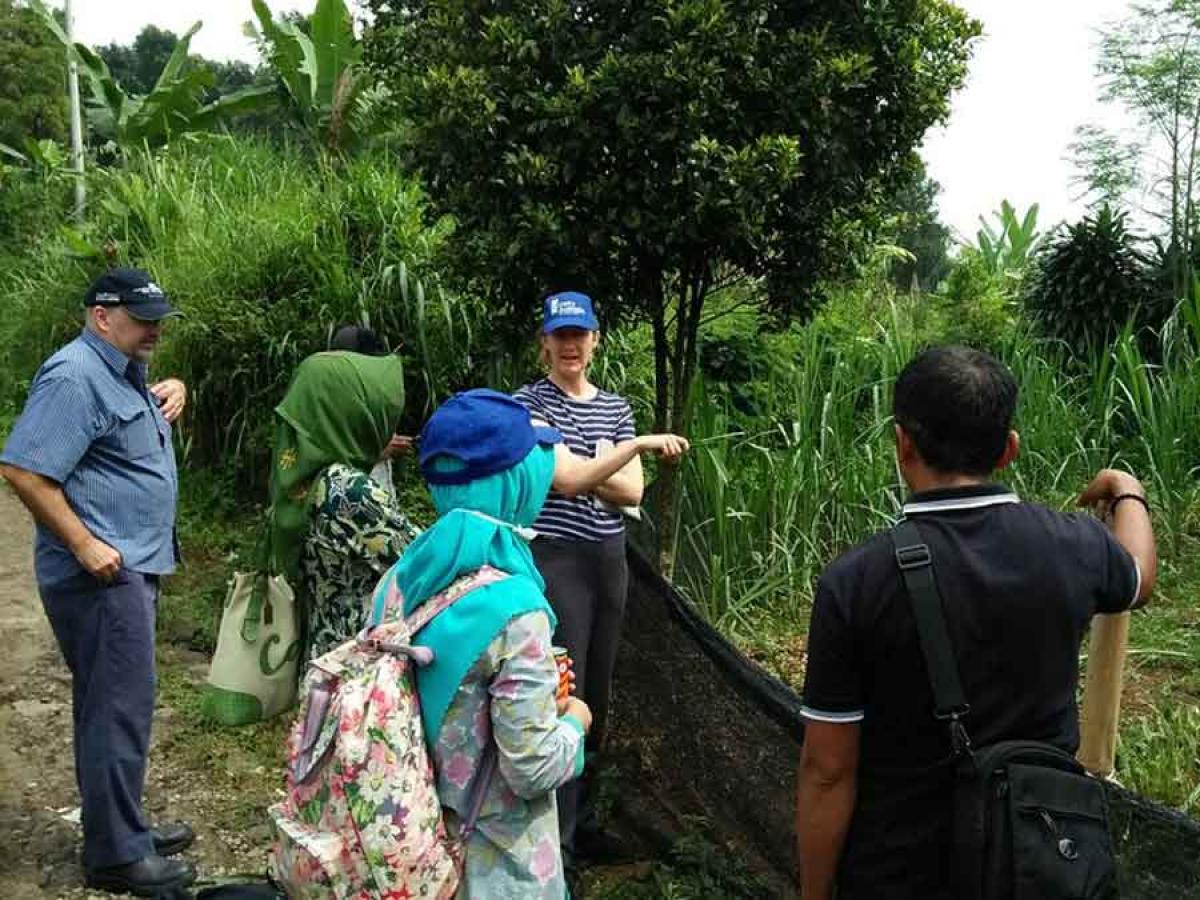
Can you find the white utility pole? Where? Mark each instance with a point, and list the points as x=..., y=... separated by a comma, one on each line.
x=76, y=116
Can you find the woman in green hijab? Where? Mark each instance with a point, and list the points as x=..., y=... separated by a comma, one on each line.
x=334, y=531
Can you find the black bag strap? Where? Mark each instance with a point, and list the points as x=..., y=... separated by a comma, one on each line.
x=916, y=568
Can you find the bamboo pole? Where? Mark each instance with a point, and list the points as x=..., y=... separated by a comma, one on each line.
x=76, y=116
x=1102, y=693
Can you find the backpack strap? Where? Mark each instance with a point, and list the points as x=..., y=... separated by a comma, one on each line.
x=916, y=568
x=442, y=601
x=488, y=764
x=426, y=613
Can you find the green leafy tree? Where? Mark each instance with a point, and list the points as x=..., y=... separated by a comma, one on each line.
x=33, y=100
x=229, y=77
x=1092, y=279
x=921, y=233
x=1108, y=166
x=1151, y=65
x=136, y=66
x=645, y=151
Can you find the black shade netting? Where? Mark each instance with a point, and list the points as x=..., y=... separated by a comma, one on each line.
x=717, y=736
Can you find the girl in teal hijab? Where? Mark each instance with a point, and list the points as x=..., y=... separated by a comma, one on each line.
x=476, y=527
x=493, y=679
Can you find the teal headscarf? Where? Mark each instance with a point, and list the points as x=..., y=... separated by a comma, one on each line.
x=458, y=543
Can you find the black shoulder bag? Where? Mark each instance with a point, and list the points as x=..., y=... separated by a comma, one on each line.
x=1029, y=823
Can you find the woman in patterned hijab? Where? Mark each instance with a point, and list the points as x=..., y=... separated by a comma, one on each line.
x=334, y=531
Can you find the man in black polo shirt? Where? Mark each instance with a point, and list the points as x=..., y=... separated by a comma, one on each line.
x=1020, y=584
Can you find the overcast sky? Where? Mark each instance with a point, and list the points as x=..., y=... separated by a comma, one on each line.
x=1032, y=81
x=119, y=21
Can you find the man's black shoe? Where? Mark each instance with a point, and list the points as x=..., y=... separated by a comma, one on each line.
x=172, y=838
x=150, y=876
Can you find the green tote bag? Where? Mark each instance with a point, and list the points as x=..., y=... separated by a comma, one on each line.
x=254, y=670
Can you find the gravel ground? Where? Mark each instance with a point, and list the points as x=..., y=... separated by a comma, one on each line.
x=39, y=842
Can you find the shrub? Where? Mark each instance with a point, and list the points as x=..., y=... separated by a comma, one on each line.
x=1090, y=280
x=266, y=252
x=973, y=305
x=32, y=202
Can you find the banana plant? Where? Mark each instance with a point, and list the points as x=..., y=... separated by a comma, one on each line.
x=174, y=106
x=328, y=91
x=42, y=158
x=1007, y=247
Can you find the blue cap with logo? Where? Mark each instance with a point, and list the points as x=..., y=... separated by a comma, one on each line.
x=570, y=309
x=132, y=289
x=486, y=431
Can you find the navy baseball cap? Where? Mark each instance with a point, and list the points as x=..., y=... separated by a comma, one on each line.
x=569, y=309
x=132, y=289
x=486, y=431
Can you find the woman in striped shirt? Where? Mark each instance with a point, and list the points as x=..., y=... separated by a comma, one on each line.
x=580, y=550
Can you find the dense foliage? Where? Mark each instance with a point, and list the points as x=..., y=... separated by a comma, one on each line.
x=1091, y=280
x=266, y=253
x=32, y=79
x=642, y=151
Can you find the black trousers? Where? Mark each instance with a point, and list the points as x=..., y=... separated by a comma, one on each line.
x=586, y=583
x=106, y=634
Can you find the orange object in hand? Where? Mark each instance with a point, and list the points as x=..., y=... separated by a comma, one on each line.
x=563, y=665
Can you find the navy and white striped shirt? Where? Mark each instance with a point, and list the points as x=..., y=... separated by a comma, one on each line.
x=91, y=425
x=582, y=423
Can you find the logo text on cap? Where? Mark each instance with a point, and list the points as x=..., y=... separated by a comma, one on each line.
x=565, y=307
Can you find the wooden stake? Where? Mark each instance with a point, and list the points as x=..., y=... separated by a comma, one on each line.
x=1102, y=693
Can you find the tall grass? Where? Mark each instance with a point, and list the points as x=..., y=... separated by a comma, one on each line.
x=767, y=501
x=1159, y=756
x=770, y=499
x=267, y=251
x=772, y=496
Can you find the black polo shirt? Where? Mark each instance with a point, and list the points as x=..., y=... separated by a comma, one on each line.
x=1019, y=584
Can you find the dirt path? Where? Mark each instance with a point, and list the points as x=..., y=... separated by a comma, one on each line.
x=39, y=847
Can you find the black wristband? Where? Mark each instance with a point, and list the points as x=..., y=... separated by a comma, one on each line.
x=1138, y=497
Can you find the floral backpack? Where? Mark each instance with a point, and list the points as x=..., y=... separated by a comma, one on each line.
x=361, y=819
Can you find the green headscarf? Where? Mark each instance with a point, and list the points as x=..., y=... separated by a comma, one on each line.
x=458, y=543
x=341, y=407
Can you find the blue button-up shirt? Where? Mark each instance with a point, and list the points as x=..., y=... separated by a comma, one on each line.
x=91, y=425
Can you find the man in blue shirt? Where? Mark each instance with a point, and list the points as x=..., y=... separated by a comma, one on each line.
x=92, y=459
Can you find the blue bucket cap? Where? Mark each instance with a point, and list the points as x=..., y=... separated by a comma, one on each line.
x=485, y=430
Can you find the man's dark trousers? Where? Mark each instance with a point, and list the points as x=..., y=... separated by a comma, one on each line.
x=106, y=633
